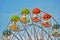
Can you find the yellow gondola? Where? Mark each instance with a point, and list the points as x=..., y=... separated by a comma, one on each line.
x=24, y=20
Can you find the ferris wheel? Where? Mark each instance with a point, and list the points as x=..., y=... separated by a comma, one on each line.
x=35, y=25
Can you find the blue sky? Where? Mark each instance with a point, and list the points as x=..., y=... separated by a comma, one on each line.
x=10, y=7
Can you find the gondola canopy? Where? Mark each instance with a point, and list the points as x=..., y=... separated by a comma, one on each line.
x=56, y=26
x=36, y=11
x=7, y=33
x=14, y=18
x=46, y=16
x=25, y=11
